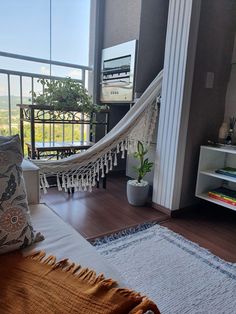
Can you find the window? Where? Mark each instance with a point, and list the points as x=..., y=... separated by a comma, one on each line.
x=47, y=29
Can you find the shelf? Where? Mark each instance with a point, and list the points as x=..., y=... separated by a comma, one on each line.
x=230, y=149
x=212, y=173
x=205, y=197
x=211, y=159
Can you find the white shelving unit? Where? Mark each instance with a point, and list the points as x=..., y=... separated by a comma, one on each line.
x=211, y=159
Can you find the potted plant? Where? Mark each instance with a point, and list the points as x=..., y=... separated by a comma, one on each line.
x=137, y=190
x=65, y=95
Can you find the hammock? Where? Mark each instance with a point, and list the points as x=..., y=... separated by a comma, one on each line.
x=81, y=171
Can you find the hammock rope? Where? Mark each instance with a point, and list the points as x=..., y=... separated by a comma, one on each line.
x=81, y=171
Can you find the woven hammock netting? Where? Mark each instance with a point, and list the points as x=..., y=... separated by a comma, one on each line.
x=82, y=170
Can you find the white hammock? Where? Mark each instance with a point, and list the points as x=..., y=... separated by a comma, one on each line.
x=81, y=171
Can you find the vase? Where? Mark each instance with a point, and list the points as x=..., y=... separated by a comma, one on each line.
x=137, y=193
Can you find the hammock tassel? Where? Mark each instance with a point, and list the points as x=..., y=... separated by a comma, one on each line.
x=80, y=186
x=77, y=180
x=94, y=176
x=84, y=184
x=59, y=183
x=122, y=150
x=42, y=184
x=97, y=171
x=94, y=180
x=45, y=181
x=115, y=159
x=106, y=164
x=102, y=168
x=68, y=183
x=111, y=165
x=64, y=183
x=87, y=180
x=126, y=143
x=82, y=181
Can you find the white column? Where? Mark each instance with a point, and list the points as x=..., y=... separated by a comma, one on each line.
x=181, y=38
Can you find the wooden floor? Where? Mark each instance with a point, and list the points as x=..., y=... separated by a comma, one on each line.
x=107, y=211
x=104, y=211
x=211, y=226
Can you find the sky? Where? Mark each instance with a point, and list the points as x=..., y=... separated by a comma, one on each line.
x=25, y=29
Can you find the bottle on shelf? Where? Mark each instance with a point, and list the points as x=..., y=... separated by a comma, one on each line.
x=223, y=132
x=229, y=137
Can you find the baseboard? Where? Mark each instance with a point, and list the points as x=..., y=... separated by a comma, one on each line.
x=162, y=209
x=174, y=213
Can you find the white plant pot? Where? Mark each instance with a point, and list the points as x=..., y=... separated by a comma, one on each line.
x=137, y=193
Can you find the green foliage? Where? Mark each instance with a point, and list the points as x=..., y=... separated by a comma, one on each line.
x=39, y=135
x=145, y=166
x=65, y=95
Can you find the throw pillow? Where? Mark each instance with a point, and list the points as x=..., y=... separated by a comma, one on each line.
x=16, y=230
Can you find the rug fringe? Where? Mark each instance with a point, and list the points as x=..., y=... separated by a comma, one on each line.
x=115, y=236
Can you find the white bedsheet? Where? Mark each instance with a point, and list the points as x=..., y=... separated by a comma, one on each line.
x=62, y=241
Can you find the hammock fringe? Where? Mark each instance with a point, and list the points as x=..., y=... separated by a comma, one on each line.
x=81, y=171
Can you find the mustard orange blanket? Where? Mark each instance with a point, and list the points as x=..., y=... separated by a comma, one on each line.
x=39, y=284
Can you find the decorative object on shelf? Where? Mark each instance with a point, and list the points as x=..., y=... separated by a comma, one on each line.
x=137, y=190
x=223, y=132
x=229, y=137
x=66, y=95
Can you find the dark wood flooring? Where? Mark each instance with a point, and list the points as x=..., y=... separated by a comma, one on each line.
x=211, y=226
x=104, y=211
x=107, y=211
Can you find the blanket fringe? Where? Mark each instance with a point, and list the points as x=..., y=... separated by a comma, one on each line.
x=90, y=277
x=84, y=274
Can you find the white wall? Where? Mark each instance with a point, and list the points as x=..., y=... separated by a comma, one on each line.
x=181, y=39
x=230, y=101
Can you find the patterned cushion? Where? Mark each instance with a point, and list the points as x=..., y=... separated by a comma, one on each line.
x=16, y=230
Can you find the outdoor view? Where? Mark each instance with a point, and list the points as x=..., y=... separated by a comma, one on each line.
x=45, y=29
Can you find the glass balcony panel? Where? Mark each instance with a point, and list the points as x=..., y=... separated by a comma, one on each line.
x=70, y=29
x=27, y=27
x=4, y=105
x=24, y=66
x=66, y=72
x=15, y=98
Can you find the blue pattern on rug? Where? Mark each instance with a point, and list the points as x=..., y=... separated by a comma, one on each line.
x=202, y=282
x=231, y=267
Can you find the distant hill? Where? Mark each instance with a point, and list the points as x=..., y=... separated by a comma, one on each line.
x=14, y=100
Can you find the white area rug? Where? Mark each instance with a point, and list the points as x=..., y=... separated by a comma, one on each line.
x=177, y=274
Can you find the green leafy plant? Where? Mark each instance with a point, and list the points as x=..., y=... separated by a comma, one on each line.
x=145, y=166
x=65, y=95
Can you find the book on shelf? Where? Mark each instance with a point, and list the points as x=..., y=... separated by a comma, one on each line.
x=227, y=171
x=224, y=195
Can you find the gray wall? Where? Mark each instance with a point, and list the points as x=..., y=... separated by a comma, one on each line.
x=121, y=21
x=230, y=103
x=214, y=53
x=150, y=56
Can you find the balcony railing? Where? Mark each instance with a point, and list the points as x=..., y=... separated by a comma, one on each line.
x=25, y=83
